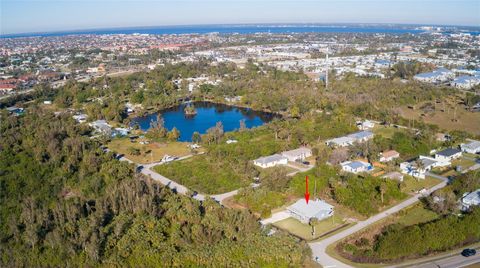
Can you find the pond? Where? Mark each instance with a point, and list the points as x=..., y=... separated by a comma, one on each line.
x=208, y=114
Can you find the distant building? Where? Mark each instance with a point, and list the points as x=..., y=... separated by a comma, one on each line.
x=348, y=140
x=80, y=118
x=270, y=161
x=470, y=199
x=303, y=212
x=448, y=155
x=473, y=147
x=465, y=82
x=15, y=110
x=356, y=166
x=365, y=125
x=440, y=75
x=388, y=156
x=102, y=126
x=340, y=142
x=298, y=154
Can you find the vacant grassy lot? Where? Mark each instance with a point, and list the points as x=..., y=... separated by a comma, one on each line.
x=465, y=120
x=412, y=185
x=199, y=174
x=415, y=214
x=149, y=153
x=386, y=131
x=304, y=231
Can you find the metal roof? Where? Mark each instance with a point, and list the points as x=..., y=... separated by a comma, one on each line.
x=449, y=152
x=311, y=209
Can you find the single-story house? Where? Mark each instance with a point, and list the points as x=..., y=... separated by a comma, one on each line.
x=270, y=161
x=473, y=147
x=394, y=175
x=102, y=126
x=298, y=154
x=15, y=110
x=364, y=125
x=356, y=166
x=80, y=118
x=318, y=209
x=361, y=136
x=340, y=142
x=388, y=156
x=470, y=199
x=448, y=155
x=427, y=163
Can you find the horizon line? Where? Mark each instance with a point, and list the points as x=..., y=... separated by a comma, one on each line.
x=235, y=24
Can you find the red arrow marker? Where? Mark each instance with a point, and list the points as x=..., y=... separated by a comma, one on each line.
x=307, y=194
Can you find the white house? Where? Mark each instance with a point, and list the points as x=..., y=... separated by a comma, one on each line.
x=356, y=166
x=80, y=118
x=318, y=209
x=298, y=154
x=437, y=76
x=427, y=163
x=473, y=147
x=388, y=156
x=470, y=199
x=340, y=142
x=365, y=125
x=361, y=136
x=102, y=126
x=270, y=161
x=448, y=155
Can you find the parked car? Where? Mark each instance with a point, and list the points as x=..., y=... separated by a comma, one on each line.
x=194, y=194
x=468, y=252
x=139, y=169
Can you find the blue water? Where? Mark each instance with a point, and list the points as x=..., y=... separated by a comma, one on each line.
x=208, y=114
x=227, y=29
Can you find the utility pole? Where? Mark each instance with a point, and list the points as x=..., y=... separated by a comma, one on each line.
x=326, y=70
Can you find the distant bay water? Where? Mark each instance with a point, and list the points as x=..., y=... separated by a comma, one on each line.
x=230, y=29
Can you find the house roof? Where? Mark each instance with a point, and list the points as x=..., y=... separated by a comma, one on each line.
x=355, y=164
x=297, y=152
x=311, y=209
x=342, y=140
x=270, y=159
x=471, y=145
x=360, y=135
x=449, y=152
x=472, y=198
x=391, y=153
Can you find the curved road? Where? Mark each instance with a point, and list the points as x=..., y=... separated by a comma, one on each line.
x=319, y=248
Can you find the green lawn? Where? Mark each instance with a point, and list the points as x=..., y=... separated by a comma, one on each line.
x=149, y=153
x=386, y=132
x=412, y=185
x=199, y=174
x=304, y=231
x=416, y=214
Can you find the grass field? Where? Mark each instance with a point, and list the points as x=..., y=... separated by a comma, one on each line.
x=199, y=174
x=413, y=185
x=304, y=231
x=466, y=120
x=149, y=153
x=416, y=214
x=386, y=132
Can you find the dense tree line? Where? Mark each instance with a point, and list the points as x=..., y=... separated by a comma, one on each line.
x=67, y=203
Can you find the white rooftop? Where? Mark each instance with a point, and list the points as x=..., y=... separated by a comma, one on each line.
x=311, y=209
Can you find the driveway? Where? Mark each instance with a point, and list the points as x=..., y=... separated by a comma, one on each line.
x=276, y=217
x=319, y=248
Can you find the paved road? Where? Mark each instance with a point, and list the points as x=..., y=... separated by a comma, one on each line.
x=452, y=260
x=319, y=248
x=435, y=176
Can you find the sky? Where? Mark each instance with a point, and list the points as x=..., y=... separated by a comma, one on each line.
x=24, y=16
